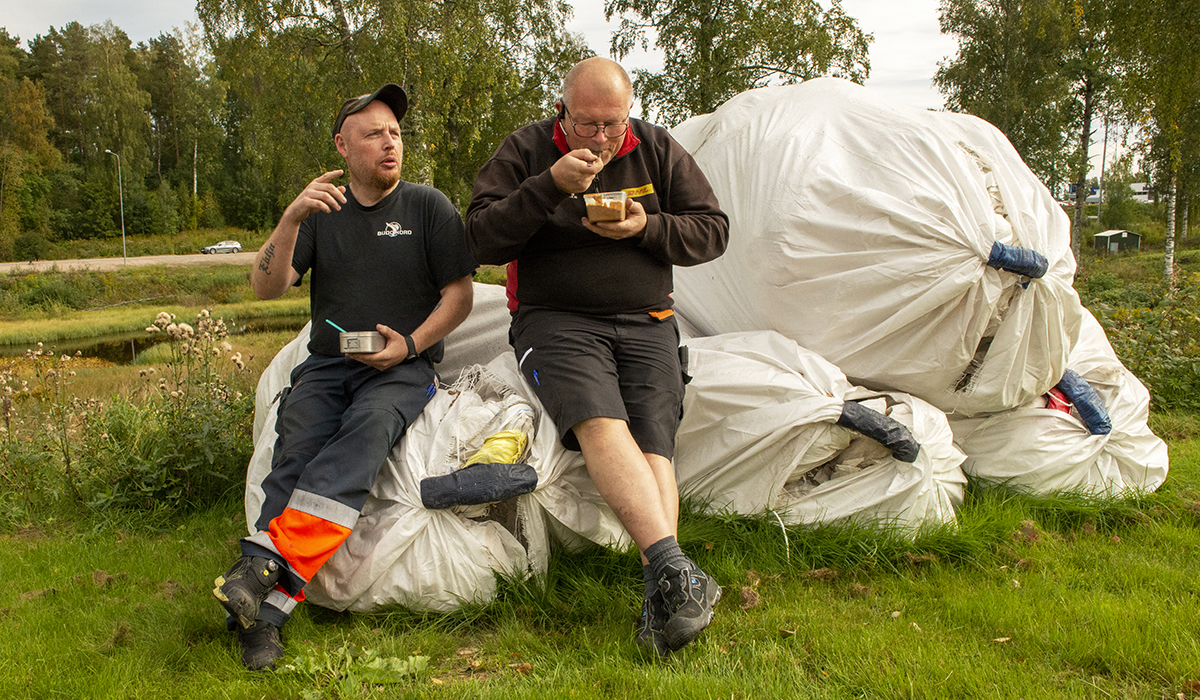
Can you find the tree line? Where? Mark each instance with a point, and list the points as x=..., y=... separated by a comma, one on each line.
x=222, y=123
x=1047, y=71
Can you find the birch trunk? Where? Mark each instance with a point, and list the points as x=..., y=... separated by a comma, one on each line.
x=1169, y=255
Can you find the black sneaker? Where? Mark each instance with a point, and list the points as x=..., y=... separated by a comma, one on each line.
x=650, y=627
x=690, y=597
x=242, y=589
x=262, y=645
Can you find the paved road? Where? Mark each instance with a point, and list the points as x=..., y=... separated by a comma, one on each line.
x=104, y=264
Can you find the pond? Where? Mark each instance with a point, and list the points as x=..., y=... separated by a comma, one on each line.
x=124, y=349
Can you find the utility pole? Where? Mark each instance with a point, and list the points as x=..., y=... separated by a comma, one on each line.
x=121, y=189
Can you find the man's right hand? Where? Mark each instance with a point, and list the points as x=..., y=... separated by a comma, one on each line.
x=574, y=172
x=320, y=195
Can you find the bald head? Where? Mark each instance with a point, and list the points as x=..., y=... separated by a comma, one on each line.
x=601, y=79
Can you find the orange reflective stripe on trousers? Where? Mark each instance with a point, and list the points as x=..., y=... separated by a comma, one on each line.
x=306, y=541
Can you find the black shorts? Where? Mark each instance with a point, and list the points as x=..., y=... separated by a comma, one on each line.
x=623, y=366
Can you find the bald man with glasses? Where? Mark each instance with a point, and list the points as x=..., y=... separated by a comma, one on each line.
x=593, y=329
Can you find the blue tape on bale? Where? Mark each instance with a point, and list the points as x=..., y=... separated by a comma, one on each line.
x=1021, y=261
x=885, y=430
x=485, y=482
x=1087, y=402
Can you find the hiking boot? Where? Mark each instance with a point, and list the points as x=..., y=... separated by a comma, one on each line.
x=690, y=596
x=262, y=645
x=650, y=628
x=242, y=589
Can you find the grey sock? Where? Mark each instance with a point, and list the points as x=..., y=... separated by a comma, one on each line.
x=666, y=553
x=648, y=580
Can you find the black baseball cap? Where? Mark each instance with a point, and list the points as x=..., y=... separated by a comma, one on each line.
x=390, y=94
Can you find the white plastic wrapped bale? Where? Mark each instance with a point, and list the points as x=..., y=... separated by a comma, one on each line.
x=400, y=553
x=761, y=432
x=1042, y=450
x=863, y=231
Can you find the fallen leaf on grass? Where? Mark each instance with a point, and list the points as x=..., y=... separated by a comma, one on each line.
x=1116, y=540
x=1192, y=687
x=708, y=546
x=750, y=598
x=895, y=614
x=467, y=651
x=915, y=626
x=1028, y=532
x=524, y=668
x=787, y=633
x=437, y=681
x=822, y=574
x=1001, y=640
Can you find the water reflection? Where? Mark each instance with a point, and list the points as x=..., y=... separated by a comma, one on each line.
x=125, y=348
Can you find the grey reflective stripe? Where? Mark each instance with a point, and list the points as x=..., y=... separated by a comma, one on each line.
x=323, y=508
x=281, y=600
x=263, y=539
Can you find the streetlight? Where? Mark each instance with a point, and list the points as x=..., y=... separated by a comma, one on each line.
x=121, y=189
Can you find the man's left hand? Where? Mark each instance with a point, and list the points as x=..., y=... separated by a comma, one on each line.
x=633, y=225
x=394, y=351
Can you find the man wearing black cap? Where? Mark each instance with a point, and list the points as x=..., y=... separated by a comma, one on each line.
x=385, y=255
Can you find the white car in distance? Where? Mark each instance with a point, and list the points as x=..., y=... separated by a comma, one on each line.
x=222, y=247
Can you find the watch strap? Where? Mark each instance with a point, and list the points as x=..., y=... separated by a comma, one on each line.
x=412, y=348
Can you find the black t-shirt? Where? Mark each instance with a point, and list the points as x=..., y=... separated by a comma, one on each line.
x=386, y=263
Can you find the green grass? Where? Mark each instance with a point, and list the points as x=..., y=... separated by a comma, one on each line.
x=121, y=320
x=1058, y=597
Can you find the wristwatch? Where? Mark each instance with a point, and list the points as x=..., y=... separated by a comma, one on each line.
x=412, y=349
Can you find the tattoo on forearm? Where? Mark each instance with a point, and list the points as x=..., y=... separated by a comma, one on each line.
x=439, y=305
x=265, y=264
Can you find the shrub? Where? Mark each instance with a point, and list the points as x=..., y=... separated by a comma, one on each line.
x=1157, y=338
x=187, y=446
x=31, y=246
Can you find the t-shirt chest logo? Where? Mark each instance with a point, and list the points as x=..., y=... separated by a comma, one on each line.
x=392, y=229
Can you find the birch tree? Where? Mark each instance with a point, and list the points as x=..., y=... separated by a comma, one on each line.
x=715, y=49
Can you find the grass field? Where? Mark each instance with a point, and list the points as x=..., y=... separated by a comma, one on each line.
x=1027, y=598
x=1050, y=597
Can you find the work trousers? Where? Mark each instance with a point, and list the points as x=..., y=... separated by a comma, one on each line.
x=336, y=425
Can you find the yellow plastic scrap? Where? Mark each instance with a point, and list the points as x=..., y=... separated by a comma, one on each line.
x=504, y=447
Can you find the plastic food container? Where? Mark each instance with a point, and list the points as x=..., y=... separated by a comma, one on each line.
x=605, y=206
x=361, y=341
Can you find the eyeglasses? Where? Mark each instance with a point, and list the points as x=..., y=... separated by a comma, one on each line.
x=586, y=131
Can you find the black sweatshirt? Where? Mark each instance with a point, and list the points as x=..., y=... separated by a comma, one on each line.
x=518, y=213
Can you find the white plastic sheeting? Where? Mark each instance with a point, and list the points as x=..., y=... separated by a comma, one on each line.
x=1043, y=450
x=862, y=230
x=402, y=554
x=759, y=433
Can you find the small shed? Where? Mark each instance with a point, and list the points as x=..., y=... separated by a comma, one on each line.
x=1116, y=240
